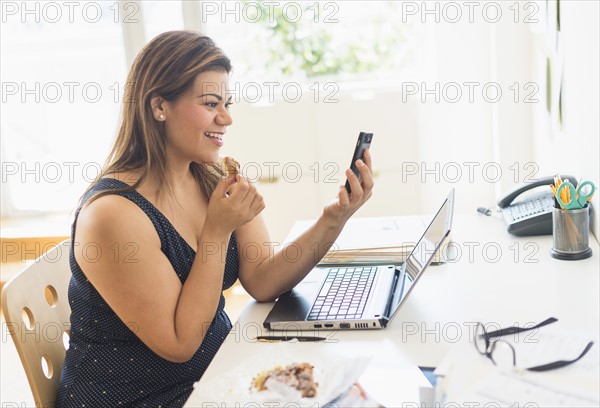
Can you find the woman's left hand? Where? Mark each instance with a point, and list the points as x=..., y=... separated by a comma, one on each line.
x=340, y=210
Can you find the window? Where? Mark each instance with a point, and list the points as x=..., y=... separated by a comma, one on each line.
x=161, y=16
x=64, y=70
x=303, y=41
x=63, y=73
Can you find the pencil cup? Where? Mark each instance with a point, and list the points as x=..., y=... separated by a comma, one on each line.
x=570, y=234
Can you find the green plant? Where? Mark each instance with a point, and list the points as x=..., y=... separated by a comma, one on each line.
x=313, y=49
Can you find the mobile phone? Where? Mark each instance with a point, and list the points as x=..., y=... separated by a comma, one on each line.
x=363, y=143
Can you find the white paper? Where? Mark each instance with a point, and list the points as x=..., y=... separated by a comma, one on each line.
x=379, y=232
x=512, y=389
x=549, y=344
x=334, y=374
x=471, y=378
x=403, y=390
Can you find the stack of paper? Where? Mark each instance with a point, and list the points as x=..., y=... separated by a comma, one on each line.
x=376, y=240
x=389, y=255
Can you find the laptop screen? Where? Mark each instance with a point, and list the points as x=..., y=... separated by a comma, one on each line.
x=423, y=253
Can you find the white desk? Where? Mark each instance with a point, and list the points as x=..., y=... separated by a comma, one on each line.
x=497, y=278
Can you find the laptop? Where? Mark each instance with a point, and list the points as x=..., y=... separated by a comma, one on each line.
x=347, y=297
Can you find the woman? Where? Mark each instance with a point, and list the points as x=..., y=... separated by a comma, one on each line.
x=156, y=237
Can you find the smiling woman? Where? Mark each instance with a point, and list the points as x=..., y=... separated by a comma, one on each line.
x=199, y=112
x=163, y=200
x=177, y=86
x=165, y=144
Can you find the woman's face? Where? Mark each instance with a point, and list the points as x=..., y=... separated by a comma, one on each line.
x=196, y=123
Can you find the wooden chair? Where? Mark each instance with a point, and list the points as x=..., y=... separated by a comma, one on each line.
x=37, y=313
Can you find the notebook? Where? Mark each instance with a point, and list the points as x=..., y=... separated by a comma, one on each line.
x=351, y=296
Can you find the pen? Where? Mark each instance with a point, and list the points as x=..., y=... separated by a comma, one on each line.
x=556, y=205
x=485, y=211
x=271, y=339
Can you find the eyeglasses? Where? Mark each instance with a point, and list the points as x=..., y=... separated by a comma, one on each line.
x=503, y=354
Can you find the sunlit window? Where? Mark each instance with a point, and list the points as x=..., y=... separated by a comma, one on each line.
x=161, y=16
x=63, y=72
x=304, y=41
x=64, y=69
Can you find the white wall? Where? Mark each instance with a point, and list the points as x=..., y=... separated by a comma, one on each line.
x=419, y=146
x=457, y=136
x=576, y=148
x=436, y=135
x=318, y=139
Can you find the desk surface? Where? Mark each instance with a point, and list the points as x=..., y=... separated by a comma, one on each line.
x=493, y=277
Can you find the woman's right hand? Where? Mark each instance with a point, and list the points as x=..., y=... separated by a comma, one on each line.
x=234, y=202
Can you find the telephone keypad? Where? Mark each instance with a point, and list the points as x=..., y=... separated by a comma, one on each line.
x=531, y=207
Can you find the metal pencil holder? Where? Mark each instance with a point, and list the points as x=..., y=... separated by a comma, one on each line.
x=570, y=234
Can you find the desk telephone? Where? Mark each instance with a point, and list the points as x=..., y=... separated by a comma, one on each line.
x=533, y=214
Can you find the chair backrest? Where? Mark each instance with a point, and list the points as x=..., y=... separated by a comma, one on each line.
x=37, y=313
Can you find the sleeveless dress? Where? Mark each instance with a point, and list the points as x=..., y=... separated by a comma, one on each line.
x=106, y=364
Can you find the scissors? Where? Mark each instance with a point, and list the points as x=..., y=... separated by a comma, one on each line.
x=575, y=198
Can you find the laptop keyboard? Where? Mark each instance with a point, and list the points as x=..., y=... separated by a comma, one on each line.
x=344, y=293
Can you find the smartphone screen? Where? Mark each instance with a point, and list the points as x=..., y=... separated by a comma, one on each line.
x=363, y=143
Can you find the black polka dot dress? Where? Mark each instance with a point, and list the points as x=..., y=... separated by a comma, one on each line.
x=106, y=364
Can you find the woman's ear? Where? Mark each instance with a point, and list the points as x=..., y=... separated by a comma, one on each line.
x=157, y=104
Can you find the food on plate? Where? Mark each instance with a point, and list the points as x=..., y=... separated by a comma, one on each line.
x=296, y=375
x=231, y=166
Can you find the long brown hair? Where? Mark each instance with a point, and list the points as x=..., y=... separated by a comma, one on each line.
x=167, y=67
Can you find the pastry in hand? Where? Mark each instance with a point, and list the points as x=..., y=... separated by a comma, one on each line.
x=232, y=167
x=295, y=375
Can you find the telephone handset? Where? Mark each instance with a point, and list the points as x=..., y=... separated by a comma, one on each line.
x=533, y=214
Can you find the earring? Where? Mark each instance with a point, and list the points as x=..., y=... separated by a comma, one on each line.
x=161, y=117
